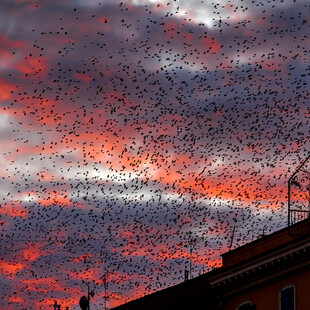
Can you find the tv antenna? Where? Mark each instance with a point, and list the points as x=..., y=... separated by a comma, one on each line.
x=232, y=238
x=192, y=241
x=293, y=181
x=85, y=300
x=105, y=285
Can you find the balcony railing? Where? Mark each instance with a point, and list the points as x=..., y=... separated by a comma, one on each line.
x=297, y=216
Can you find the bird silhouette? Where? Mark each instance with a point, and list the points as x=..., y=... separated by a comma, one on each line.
x=138, y=135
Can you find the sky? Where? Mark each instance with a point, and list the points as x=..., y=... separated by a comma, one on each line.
x=134, y=132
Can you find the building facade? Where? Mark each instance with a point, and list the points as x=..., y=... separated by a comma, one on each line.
x=271, y=273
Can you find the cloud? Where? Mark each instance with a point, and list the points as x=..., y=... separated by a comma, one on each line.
x=128, y=129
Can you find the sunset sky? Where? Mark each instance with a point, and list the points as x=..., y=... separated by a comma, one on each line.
x=129, y=128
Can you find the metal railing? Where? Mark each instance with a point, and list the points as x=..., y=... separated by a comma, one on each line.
x=296, y=216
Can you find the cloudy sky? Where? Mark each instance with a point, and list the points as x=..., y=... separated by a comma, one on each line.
x=129, y=128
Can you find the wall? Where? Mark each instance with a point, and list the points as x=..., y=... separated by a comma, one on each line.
x=267, y=297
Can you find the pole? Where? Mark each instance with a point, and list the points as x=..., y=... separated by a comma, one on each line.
x=289, y=203
x=190, y=258
x=185, y=275
x=289, y=190
x=105, y=292
x=191, y=242
x=232, y=237
x=88, y=296
x=105, y=284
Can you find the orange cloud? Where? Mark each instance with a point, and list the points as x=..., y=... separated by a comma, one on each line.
x=103, y=20
x=14, y=210
x=32, y=252
x=87, y=275
x=5, y=90
x=261, y=21
x=105, y=26
x=214, y=263
x=5, y=41
x=83, y=77
x=44, y=176
x=211, y=44
x=43, y=284
x=32, y=65
x=55, y=198
x=9, y=268
x=16, y=299
x=139, y=251
x=170, y=26
x=47, y=303
x=82, y=257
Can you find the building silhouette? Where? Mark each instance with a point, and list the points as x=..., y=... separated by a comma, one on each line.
x=271, y=273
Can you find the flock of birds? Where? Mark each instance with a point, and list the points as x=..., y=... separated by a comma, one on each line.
x=134, y=131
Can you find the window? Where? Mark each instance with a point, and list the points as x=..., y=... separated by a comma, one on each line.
x=246, y=305
x=287, y=298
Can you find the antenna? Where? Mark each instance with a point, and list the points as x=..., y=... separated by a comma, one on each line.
x=192, y=242
x=84, y=301
x=185, y=275
x=105, y=284
x=292, y=181
x=263, y=234
x=57, y=307
x=232, y=238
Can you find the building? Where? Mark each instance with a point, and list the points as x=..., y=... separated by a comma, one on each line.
x=272, y=272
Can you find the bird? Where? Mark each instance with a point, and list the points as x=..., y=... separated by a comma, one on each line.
x=132, y=130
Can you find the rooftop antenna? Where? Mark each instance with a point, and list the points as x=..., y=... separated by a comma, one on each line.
x=85, y=300
x=192, y=242
x=291, y=181
x=263, y=234
x=185, y=275
x=105, y=284
x=57, y=307
x=232, y=238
